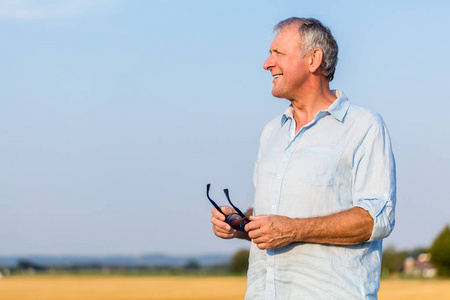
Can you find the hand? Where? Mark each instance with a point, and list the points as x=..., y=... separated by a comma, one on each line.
x=220, y=227
x=271, y=231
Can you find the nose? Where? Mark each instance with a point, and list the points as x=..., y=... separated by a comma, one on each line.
x=269, y=63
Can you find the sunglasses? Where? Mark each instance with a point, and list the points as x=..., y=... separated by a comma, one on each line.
x=235, y=220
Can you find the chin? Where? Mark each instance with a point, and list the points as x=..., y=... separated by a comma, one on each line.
x=278, y=91
x=277, y=94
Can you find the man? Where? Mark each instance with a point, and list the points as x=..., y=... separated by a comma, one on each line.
x=324, y=181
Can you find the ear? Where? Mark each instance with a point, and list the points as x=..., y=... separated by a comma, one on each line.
x=315, y=60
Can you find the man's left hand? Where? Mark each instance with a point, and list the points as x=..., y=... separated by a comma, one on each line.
x=271, y=231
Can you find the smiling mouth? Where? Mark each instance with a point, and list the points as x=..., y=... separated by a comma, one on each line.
x=275, y=77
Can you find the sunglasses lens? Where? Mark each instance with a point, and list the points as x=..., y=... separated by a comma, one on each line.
x=234, y=220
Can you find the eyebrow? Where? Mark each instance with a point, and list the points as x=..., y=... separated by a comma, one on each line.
x=274, y=51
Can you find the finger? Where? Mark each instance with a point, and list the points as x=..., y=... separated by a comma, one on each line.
x=260, y=242
x=258, y=217
x=222, y=227
x=220, y=224
x=225, y=234
x=217, y=214
x=249, y=227
x=255, y=233
x=227, y=210
x=262, y=246
x=222, y=234
x=255, y=222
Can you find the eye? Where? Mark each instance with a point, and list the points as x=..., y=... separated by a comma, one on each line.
x=277, y=52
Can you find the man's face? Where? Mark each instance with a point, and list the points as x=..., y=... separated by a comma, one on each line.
x=289, y=69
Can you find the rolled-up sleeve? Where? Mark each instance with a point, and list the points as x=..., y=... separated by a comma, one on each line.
x=374, y=179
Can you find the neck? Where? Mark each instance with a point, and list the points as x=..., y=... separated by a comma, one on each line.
x=316, y=97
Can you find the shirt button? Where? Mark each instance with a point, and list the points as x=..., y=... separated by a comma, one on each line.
x=274, y=207
x=278, y=176
x=386, y=195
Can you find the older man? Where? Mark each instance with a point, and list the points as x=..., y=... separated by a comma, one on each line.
x=324, y=181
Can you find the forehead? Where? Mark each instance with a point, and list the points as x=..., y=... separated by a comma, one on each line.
x=287, y=38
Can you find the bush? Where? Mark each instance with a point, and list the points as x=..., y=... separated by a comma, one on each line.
x=392, y=261
x=239, y=262
x=440, y=252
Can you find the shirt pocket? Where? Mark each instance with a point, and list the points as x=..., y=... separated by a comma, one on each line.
x=317, y=166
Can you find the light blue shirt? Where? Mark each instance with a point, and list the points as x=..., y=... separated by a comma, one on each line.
x=341, y=159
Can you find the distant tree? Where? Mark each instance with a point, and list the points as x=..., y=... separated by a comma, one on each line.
x=192, y=264
x=392, y=260
x=25, y=264
x=416, y=252
x=239, y=262
x=440, y=252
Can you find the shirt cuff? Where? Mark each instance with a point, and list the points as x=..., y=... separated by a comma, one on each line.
x=382, y=212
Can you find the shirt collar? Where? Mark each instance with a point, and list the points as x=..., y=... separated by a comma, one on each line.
x=288, y=114
x=338, y=109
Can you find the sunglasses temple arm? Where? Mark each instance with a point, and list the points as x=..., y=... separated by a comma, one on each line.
x=212, y=202
x=237, y=209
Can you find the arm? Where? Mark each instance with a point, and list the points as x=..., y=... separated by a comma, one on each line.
x=371, y=218
x=374, y=182
x=222, y=229
x=349, y=227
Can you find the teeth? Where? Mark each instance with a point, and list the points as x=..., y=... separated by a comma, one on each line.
x=276, y=76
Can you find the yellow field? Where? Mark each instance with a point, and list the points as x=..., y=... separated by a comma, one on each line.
x=178, y=288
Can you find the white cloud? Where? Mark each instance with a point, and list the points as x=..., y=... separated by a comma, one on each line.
x=47, y=9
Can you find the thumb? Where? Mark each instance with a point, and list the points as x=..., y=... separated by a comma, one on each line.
x=226, y=210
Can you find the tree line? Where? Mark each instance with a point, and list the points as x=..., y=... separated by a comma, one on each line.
x=392, y=263
x=393, y=260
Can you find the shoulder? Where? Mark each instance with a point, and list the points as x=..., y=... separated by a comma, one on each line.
x=367, y=124
x=365, y=116
x=270, y=129
x=273, y=125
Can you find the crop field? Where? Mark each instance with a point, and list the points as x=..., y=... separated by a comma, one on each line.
x=178, y=288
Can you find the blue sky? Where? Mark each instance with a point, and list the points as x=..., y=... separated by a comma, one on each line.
x=114, y=115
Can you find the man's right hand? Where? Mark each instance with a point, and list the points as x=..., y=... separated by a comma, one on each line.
x=223, y=229
x=220, y=227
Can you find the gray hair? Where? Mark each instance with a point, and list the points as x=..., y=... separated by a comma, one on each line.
x=315, y=35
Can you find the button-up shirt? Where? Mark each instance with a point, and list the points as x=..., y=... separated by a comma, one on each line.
x=341, y=159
